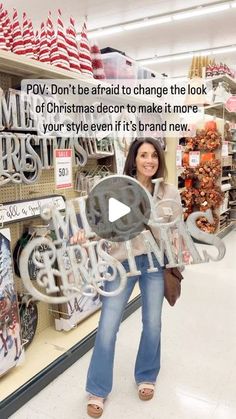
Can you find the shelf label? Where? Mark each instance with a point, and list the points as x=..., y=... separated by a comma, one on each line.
x=194, y=158
x=63, y=168
x=179, y=150
x=225, y=149
x=11, y=212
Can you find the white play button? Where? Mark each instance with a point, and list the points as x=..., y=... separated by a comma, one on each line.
x=116, y=209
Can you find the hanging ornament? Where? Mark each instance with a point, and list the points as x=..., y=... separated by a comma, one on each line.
x=97, y=63
x=72, y=47
x=18, y=43
x=62, y=44
x=44, y=53
x=27, y=38
x=85, y=55
x=52, y=41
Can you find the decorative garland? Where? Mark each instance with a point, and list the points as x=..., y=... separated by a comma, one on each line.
x=207, y=173
x=201, y=200
x=203, y=177
x=188, y=197
x=205, y=226
x=209, y=198
x=190, y=144
x=208, y=140
x=205, y=139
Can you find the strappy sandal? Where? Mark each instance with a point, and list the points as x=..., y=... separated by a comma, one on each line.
x=95, y=406
x=141, y=391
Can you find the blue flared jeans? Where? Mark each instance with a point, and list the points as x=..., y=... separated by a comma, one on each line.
x=147, y=366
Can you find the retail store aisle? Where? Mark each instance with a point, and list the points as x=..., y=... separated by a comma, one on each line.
x=198, y=374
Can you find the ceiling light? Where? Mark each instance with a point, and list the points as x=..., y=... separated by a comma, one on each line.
x=204, y=53
x=106, y=31
x=187, y=55
x=230, y=48
x=167, y=58
x=187, y=13
x=201, y=11
x=146, y=22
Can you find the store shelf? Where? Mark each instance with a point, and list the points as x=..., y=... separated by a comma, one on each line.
x=49, y=355
x=226, y=230
x=224, y=78
x=223, y=212
x=225, y=187
x=27, y=68
x=219, y=110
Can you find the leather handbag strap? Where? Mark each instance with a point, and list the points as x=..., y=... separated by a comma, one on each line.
x=177, y=273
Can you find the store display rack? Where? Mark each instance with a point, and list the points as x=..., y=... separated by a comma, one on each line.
x=223, y=78
x=221, y=115
x=219, y=110
x=23, y=382
x=64, y=351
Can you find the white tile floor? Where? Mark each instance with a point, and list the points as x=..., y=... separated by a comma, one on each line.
x=198, y=374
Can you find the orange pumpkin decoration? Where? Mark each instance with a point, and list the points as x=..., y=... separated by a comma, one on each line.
x=188, y=183
x=210, y=126
x=205, y=157
x=185, y=159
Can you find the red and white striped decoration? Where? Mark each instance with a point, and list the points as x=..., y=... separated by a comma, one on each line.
x=36, y=45
x=8, y=31
x=62, y=44
x=72, y=47
x=85, y=55
x=17, y=43
x=2, y=39
x=52, y=41
x=97, y=63
x=1, y=12
x=44, y=53
x=2, y=35
x=32, y=38
x=27, y=38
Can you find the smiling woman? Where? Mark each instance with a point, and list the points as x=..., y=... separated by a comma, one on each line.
x=146, y=150
x=146, y=163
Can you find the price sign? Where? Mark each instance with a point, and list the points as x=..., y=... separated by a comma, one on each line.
x=225, y=149
x=63, y=168
x=179, y=150
x=194, y=158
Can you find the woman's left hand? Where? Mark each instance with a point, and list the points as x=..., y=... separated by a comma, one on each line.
x=78, y=238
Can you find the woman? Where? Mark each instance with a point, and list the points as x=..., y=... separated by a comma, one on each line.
x=145, y=162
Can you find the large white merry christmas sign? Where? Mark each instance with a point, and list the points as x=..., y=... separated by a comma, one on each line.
x=65, y=269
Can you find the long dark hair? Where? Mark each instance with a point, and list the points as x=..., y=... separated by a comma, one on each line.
x=130, y=163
